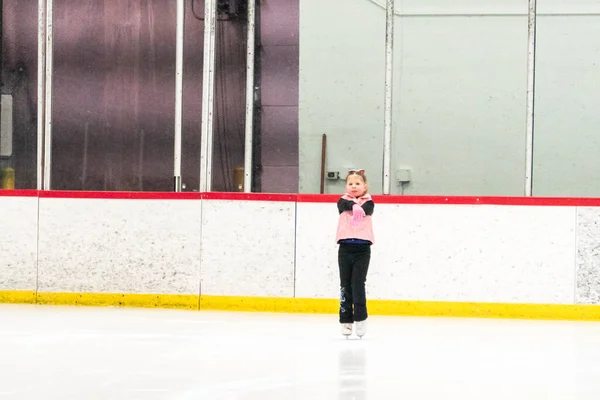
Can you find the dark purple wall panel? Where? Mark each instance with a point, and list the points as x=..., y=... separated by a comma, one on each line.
x=114, y=94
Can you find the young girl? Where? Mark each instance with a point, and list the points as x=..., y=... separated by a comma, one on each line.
x=355, y=237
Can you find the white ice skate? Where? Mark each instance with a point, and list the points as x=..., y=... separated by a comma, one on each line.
x=361, y=328
x=346, y=330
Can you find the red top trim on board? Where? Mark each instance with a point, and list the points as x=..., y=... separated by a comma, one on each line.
x=461, y=200
x=18, y=193
x=307, y=198
x=318, y=198
x=488, y=200
x=59, y=194
x=249, y=196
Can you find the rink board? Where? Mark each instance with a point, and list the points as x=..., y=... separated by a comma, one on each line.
x=18, y=245
x=467, y=253
x=97, y=245
x=247, y=248
x=438, y=256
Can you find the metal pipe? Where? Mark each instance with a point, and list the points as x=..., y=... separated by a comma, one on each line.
x=178, y=95
x=48, y=98
x=250, y=48
x=208, y=80
x=530, y=97
x=210, y=142
x=41, y=68
x=257, y=122
x=387, y=119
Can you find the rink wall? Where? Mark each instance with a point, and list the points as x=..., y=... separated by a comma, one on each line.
x=450, y=256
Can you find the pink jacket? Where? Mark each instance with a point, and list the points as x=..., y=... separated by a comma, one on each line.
x=345, y=229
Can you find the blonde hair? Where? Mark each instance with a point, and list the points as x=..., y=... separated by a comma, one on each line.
x=359, y=172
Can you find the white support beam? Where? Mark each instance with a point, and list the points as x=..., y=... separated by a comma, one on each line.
x=41, y=90
x=387, y=119
x=530, y=97
x=250, y=44
x=49, y=40
x=208, y=91
x=178, y=94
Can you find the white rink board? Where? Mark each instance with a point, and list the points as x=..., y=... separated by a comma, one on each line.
x=509, y=254
x=458, y=253
x=119, y=246
x=247, y=248
x=18, y=245
x=317, y=274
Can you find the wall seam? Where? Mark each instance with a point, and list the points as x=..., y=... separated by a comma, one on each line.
x=37, y=252
x=200, y=260
x=295, y=245
x=576, y=237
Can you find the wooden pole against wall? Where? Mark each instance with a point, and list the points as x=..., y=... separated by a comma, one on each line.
x=323, y=161
x=1, y=65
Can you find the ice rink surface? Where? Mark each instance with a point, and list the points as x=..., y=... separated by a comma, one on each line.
x=109, y=353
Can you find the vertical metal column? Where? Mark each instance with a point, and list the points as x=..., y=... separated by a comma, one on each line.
x=250, y=48
x=530, y=97
x=48, y=98
x=208, y=84
x=178, y=94
x=257, y=122
x=387, y=131
x=41, y=92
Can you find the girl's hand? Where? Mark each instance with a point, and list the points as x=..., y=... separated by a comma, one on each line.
x=357, y=214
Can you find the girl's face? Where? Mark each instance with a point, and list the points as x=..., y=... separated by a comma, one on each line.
x=356, y=186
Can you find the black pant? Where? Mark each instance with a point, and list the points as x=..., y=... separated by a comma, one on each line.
x=353, y=260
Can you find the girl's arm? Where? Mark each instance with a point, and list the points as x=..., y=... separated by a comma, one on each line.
x=346, y=205
x=368, y=206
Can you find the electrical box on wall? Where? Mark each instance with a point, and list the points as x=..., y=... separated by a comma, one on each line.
x=403, y=175
x=332, y=175
x=6, y=126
